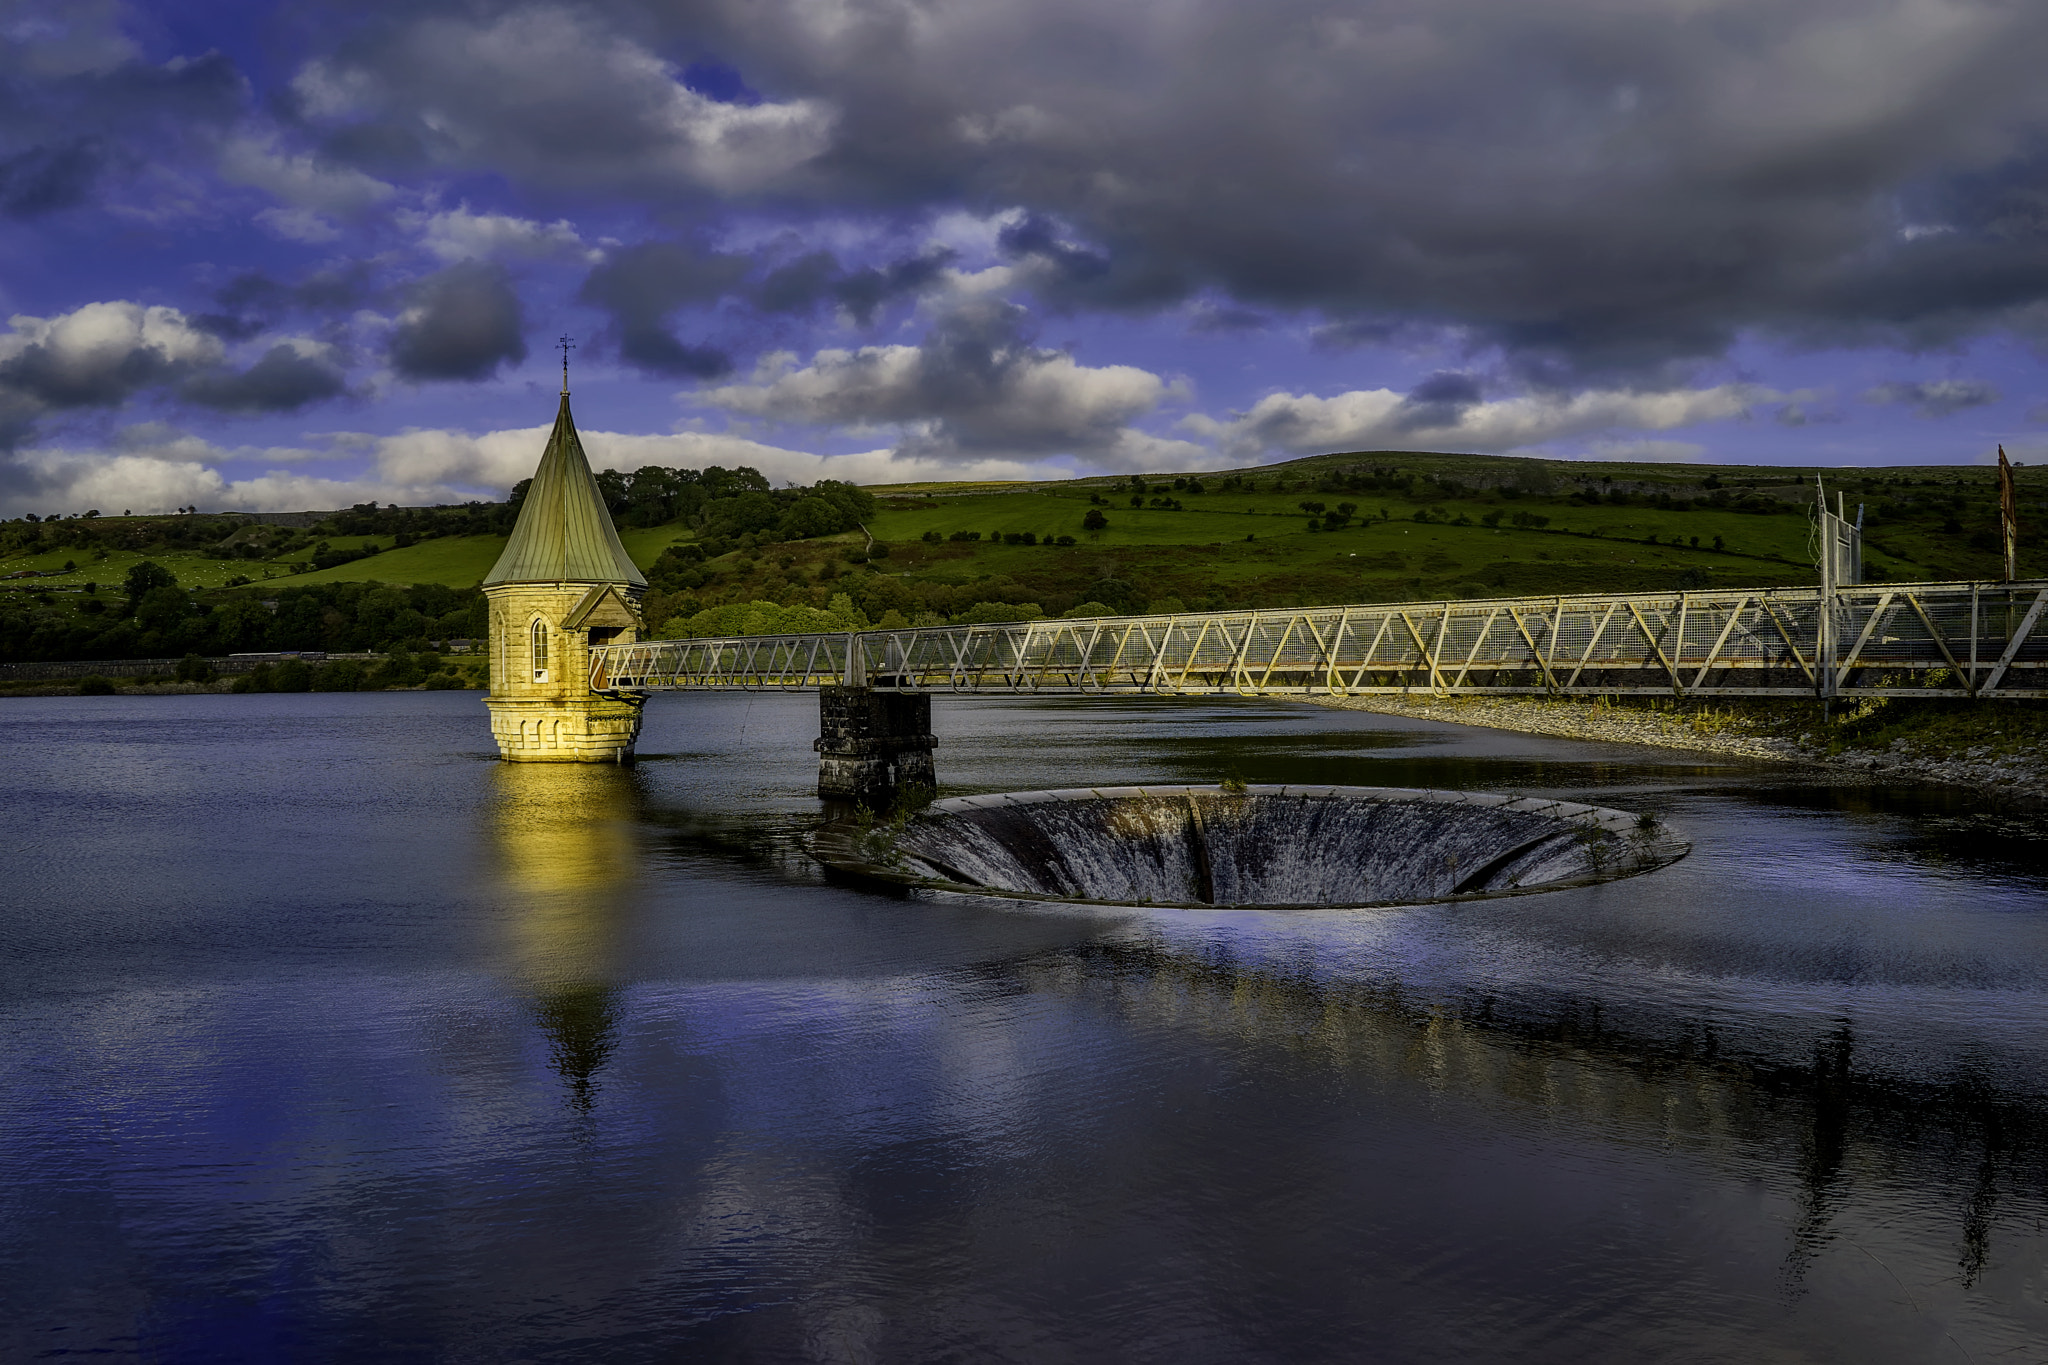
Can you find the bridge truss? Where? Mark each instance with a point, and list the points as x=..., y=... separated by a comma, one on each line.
x=1913, y=639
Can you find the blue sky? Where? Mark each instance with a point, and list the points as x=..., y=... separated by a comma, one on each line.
x=276, y=257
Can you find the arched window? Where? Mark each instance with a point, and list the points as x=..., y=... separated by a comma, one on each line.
x=540, y=650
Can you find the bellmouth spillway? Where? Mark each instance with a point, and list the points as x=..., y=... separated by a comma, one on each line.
x=1262, y=846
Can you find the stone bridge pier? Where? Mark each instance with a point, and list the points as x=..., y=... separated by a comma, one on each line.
x=871, y=745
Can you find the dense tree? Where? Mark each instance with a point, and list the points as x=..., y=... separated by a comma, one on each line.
x=144, y=578
x=338, y=617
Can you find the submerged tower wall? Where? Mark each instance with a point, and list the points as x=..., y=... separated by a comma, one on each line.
x=543, y=709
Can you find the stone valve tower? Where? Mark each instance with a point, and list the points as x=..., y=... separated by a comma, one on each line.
x=563, y=584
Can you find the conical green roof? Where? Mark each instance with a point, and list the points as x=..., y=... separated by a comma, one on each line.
x=564, y=534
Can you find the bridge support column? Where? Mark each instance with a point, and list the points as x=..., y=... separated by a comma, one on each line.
x=872, y=744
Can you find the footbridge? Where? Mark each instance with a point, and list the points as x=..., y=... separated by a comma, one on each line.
x=1981, y=640
x=1977, y=640
x=568, y=678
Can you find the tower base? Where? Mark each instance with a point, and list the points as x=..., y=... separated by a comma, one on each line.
x=871, y=745
x=602, y=729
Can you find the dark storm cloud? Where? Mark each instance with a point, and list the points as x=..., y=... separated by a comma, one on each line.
x=798, y=286
x=44, y=179
x=96, y=356
x=1591, y=188
x=641, y=287
x=207, y=89
x=1209, y=319
x=43, y=376
x=1938, y=398
x=1597, y=192
x=816, y=278
x=284, y=380
x=1438, y=401
x=1351, y=333
x=1037, y=236
x=253, y=301
x=1071, y=274
x=62, y=134
x=971, y=360
x=659, y=352
x=334, y=289
x=465, y=322
x=229, y=326
x=249, y=303
x=865, y=291
x=554, y=95
x=138, y=97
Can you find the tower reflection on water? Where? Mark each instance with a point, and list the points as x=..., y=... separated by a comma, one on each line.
x=566, y=868
x=1829, y=1126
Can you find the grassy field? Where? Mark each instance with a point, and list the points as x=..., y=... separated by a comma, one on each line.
x=1252, y=543
x=193, y=569
x=1420, y=526
x=462, y=561
x=457, y=561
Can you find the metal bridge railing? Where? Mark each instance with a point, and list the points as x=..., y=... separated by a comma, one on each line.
x=1907, y=639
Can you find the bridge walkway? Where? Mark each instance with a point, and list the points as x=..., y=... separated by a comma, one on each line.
x=1950, y=639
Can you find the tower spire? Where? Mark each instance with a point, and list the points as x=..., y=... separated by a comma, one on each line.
x=564, y=533
x=565, y=345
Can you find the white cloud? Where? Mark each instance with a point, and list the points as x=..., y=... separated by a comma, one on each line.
x=151, y=466
x=66, y=482
x=181, y=474
x=96, y=355
x=98, y=335
x=500, y=459
x=299, y=179
x=162, y=441
x=974, y=236
x=1367, y=419
x=494, y=459
x=973, y=388
x=457, y=234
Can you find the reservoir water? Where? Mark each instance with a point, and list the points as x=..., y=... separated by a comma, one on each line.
x=324, y=1036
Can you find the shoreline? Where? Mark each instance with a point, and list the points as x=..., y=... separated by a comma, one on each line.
x=2005, y=771
x=218, y=687
x=2022, y=773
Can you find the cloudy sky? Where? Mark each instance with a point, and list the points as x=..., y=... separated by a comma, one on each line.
x=278, y=256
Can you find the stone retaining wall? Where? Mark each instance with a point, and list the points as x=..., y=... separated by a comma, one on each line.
x=2023, y=774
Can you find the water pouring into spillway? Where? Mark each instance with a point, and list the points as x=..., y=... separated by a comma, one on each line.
x=1261, y=846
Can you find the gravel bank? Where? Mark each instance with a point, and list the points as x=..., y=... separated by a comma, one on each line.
x=2004, y=770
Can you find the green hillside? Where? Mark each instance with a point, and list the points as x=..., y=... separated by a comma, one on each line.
x=1405, y=526
x=1359, y=527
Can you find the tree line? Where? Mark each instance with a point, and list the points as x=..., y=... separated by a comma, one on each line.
x=153, y=616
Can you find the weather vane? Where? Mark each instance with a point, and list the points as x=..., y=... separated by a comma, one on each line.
x=565, y=345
